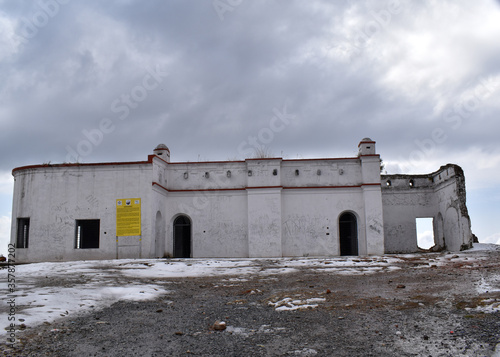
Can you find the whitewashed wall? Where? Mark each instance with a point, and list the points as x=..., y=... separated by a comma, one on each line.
x=252, y=208
x=53, y=197
x=440, y=195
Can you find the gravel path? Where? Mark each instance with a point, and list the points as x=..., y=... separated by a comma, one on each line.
x=420, y=309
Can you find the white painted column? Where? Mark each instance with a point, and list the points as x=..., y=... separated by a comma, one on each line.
x=374, y=220
x=372, y=196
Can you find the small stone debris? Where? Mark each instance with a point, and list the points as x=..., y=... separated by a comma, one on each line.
x=237, y=302
x=328, y=291
x=159, y=310
x=251, y=292
x=219, y=326
x=401, y=286
x=179, y=333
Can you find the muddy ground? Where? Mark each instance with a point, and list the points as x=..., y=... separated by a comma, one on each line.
x=421, y=309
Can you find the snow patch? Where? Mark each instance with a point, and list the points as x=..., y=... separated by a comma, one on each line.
x=289, y=304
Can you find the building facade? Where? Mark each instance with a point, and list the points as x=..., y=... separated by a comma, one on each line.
x=263, y=207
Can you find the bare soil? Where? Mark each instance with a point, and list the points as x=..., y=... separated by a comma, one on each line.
x=421, y=309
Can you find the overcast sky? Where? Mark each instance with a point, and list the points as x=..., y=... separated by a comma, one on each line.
x=101, y=81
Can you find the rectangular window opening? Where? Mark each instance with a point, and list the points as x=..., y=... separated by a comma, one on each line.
x=425, y=233
x=23, y=232
x=87, y=233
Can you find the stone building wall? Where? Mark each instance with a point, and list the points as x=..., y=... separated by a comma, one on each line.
x=266, y=207
x=439, y=195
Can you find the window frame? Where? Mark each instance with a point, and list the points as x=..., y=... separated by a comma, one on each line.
x=22, y=235
x=89, y=228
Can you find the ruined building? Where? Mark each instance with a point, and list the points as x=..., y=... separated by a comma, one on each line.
x=264, y=207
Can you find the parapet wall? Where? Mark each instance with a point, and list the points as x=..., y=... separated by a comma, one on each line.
x=439, y=195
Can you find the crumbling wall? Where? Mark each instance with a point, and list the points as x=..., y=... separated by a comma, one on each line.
x=439, y=195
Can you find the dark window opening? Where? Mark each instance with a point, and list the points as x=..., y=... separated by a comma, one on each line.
x=23, y=232
x=87, y=233
x=388, y=183
x=411, y=183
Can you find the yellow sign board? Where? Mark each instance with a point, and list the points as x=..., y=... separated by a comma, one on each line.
x=128, y=217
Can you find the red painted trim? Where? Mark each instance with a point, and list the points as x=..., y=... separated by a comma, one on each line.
x=377, y=155
x=257, y=187
x=151, y=157
x=204, y=162
x=264, y=158
x=150, y=160
x=322, y=159
x=210, y=190
x=309, y=187
x=277, y=158
x=366, y=142
x=351, y=186
x=202, y=190
x=79, y=164
x=157, y=184
x=264, y=187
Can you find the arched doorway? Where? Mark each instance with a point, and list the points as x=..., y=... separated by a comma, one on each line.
x=348, y=234
x=182, y=237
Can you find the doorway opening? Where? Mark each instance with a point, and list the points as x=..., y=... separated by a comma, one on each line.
x=348, y=234
x=182, y=237
x=425, y=233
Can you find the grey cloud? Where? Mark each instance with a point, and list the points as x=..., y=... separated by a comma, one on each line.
x=224, y=80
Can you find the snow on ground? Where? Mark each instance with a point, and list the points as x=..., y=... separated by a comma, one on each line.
x=45, y=292
x=484, y=246
x=289, y=304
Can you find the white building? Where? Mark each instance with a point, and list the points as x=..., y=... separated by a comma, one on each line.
x=264, y=207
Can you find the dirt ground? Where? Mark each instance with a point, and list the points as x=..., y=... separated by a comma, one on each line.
x=420, y=309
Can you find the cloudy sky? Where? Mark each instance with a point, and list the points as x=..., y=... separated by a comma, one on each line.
x=101, y=81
